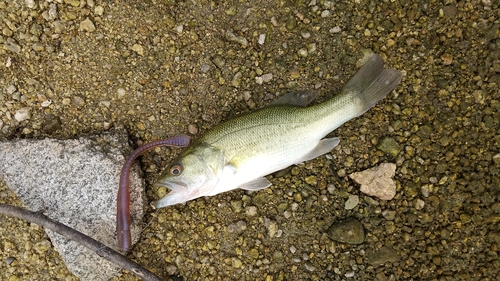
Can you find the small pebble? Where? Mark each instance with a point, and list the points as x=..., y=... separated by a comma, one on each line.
x=302, y=52
x=311, y=180
x=236, y=79
x=390, y=43
x=348, y=230
x=11, y=89
x=335, y=29
x=106, y=103
x=141, y=126
x=238, y=39
x=99, y=10
x=12, y=45
x=9, y=260
x=352, y=202
x=46, y=103
x=30, y=3
x=193, y=129
x=171, y=269
x=309, y=266
x=267, y=77
x=325, y=13
x=389, y=215
x=247, y=95
x=251, y=210
x=447, y=58
x=419, y=204
x=253, y=253
x=311, y=48
x=349, y=274
x=382, y=256
x=236, y=263
x=205, y=68
x=22, y=114
x=121, y=92
x=74, y=3
x=138, y=49
x=87, y=25
x=272, y=229
x=389, y=146
x=237, y=227
x=262, y=38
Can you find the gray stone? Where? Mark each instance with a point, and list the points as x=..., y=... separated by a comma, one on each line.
x=389, y=146
x=74, y=182
x=12, y=45
x=382, y=256
x=237, y=227
x=349, y=231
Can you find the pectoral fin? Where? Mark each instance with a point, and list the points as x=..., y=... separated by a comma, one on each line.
x=323, y=146
x=256, y=184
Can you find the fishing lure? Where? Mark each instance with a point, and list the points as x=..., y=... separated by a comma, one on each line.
x=123, y=197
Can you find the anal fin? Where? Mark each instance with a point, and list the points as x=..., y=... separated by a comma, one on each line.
x=256, y=184
x=324, y=146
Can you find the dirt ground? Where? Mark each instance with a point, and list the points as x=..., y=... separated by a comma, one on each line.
x=71, y=68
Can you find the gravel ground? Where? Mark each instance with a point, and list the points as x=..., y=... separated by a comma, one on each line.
x=70, y=68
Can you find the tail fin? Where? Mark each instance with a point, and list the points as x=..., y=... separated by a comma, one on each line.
x=372, y=82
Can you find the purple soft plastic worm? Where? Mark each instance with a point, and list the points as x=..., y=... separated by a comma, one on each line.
x=123, y=198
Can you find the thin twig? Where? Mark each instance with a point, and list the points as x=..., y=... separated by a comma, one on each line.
x=70, y=233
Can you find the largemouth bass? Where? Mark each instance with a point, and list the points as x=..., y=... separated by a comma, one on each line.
x=240, y=152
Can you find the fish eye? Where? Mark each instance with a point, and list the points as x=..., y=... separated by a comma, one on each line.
x=175, y=169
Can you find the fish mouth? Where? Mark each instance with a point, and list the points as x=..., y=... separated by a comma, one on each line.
x=177, y=189
x=173, y=186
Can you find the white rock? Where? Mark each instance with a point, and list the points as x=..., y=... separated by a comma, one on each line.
x=267, y=77
x=8, y=63
x=99, y=10
x=52, y=11
x=46, y=103
x=22, y=114
x=30, y=3
x=377, y=181
x=121, y=93
x=326, y=13
x=11, y=89
x=351, y=202
x=302, y=52
x=262, y=38
x=87, y=25
x=335, y=29
x=419, y=204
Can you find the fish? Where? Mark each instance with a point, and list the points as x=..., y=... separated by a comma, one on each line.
x=240, y=152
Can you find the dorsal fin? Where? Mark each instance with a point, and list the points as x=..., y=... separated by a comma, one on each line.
x=300, y=98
